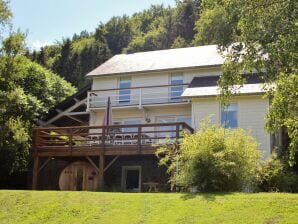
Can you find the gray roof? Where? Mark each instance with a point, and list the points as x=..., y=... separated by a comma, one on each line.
x=180, y=58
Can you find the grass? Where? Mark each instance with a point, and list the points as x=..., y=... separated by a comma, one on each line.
x=95, y=207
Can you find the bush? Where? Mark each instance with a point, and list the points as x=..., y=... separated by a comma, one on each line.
x=214, y=159
x=276, y=175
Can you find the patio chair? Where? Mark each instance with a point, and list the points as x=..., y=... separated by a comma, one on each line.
x=118, y=140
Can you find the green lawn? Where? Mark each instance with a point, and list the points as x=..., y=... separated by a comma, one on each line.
x=117, y=208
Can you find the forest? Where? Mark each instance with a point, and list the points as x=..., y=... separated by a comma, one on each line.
x=32, y=82
x=156, y=28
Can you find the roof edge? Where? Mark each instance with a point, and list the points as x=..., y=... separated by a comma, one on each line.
x=152, y=71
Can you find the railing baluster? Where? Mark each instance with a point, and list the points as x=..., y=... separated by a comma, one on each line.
x=140, y=98
x=88, y=100
x=70, y=138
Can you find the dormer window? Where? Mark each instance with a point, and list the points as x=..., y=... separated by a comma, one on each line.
x=124, y=92
x=176, y=88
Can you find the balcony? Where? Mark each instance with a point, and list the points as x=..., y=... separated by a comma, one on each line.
x=137, y=96
x=110, y=140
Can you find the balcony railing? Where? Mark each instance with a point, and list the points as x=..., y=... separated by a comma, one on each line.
x=137, y=96
x=105, y=137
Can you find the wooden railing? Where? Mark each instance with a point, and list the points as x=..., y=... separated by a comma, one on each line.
x=106, y=137
x=136, y=96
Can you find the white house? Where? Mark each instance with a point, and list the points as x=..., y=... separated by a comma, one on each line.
x=152, y=95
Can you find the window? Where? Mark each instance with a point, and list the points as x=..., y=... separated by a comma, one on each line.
x=176, y=88
x=131, y=129
x=166, y=131
x=229, y=117
x=172, y=128
x=186, y=120
x=124, y=92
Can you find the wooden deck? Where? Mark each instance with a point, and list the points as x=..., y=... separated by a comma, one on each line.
x=112, y=140
x=101, y=141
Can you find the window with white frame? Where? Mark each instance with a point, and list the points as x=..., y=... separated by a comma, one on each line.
x=124, y=92
x=132, y=129
x=229, y=116
x=172, y=128
x=176, y=88
x=186, y=120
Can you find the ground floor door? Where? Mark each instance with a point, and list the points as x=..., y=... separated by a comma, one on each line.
x=78, y=176
x=80, y=173
x=131, y=178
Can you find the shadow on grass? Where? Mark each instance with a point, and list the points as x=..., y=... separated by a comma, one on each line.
x=210, y=196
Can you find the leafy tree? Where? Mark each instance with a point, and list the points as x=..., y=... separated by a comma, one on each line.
x=5, y=14
x=152, y=40
x=118, y=33
x=275, y=175
x=213, y=159
x=41, y=58
x=179, y=42
x=63, y=66
x=260, y=36
x=26, y=91
x=186, y=15
x=144, y=21
x=213, y=27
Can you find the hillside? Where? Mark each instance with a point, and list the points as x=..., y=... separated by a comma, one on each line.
x=94, y=207
x=158, y=27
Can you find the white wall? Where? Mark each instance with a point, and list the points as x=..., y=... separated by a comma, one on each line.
x=149, y=95
x=96, y=117
x=251, y=109
x=251, y=116
x=152, y=79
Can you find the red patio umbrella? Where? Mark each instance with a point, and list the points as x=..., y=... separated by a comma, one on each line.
x=107, y=120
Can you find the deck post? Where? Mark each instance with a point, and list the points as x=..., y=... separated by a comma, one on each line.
x=140, y=137
x=177, y=132
x=101, y=170
x=35, y=172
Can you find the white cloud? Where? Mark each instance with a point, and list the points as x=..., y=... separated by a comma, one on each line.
x=36, y=45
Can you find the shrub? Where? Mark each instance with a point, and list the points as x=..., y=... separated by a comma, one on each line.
x=213, y=159
x=275, y=175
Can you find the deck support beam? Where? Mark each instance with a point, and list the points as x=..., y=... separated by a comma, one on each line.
x=101, y=170
x=35, y=172
x=44, y=164
x=111, y=163
x=92, y=163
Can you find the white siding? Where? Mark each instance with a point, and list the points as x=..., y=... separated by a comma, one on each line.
x=96, y=117
x=252, y=113
x=251, y=116
x=104, y=83
x=149, y=95
x=153, y=79
x=204, y=108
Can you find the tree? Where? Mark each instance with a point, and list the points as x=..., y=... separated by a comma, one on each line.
x=5, y=14
x=186, y=15
x=26, y=91
x=213, y=159
x=41, y=58
x=118, y=33
x=62, y=65
x=213, y=27
x=179, y=42
x=261, y=36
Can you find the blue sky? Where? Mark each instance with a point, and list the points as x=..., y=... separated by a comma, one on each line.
x=46, y=21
